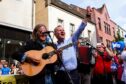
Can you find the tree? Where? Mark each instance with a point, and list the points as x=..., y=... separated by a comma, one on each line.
x=118, y=37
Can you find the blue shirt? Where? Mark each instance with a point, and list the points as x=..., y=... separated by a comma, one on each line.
x=5, y=70
x=69, y=57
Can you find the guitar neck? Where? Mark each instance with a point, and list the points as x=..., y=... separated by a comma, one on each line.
x=66, y=46
x=60, y=49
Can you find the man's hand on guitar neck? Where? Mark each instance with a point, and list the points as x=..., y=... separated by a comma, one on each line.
x=59, y=52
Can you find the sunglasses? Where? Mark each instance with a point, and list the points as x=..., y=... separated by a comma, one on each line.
x=41, y=33
x=99, y=47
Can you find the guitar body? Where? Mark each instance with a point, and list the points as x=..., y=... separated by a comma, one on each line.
x=31, y=69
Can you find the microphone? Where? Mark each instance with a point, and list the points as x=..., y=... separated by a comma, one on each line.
x=88, y=44
x=47, y=32
x=101, y=53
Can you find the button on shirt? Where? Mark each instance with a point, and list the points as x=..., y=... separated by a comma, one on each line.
x=69, y=57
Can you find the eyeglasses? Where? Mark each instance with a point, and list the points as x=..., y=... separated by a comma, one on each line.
x=41, y=33
x=99, y=47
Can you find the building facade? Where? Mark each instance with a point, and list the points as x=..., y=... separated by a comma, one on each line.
x=57, y=12
x=105, y=27
x=16, y=22
x=122, y=32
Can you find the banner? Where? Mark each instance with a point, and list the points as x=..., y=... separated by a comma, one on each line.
x=5, y=79
x=120, y=45
x=13, y=79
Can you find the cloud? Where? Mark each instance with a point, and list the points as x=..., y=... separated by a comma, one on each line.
x=121, y=21
x=122, y=10
x=124, y=26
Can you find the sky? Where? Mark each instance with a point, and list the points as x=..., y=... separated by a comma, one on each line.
x=116, y=8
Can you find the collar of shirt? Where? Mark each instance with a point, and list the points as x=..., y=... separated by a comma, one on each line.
x=43, y=44
x=60, y=42
x=68, y=55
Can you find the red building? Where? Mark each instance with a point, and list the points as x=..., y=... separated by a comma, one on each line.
x=105, y=27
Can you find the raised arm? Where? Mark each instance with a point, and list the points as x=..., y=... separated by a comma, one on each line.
x=78, y=32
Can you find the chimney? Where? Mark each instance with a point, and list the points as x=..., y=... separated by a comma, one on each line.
x=89, y=11
x=78, y=9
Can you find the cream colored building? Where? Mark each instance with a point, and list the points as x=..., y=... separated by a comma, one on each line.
x=16, y=25
x=122, y=32
x=17, y=14
x=55, y=12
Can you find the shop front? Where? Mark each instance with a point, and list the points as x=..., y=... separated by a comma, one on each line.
x=11, y=39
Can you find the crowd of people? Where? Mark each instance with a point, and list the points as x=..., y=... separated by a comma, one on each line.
x=109, y=67
x=10, y=69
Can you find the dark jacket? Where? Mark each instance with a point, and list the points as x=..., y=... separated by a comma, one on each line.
x=35, y=45
x=30, y=45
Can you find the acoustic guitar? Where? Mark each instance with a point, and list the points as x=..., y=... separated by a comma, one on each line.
x=47, y=55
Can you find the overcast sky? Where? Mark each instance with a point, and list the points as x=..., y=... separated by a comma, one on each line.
x=116, y=8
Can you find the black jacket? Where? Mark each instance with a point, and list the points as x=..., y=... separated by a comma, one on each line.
x=30, y=45
x=35, y=45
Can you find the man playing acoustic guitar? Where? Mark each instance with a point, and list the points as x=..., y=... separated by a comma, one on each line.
x=32, y=61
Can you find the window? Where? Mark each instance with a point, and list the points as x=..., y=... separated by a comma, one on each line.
x=72, y=27
x=108, y=43
x=99, y=24
x=114, y=34
x=100, y=39
x=107, y=28
x=89, y=34
x=119, y=30
x=60, y=22
x=122, y=34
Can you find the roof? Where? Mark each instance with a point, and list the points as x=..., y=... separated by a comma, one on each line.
x=70, y=8
x=78, y=11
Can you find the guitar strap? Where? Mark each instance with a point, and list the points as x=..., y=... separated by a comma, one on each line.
x=66, y=71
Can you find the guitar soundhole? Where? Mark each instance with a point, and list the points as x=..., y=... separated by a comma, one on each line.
x=45, y=56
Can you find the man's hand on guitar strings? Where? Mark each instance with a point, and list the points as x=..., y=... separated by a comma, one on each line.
x=59, y=52
x=32, y=60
